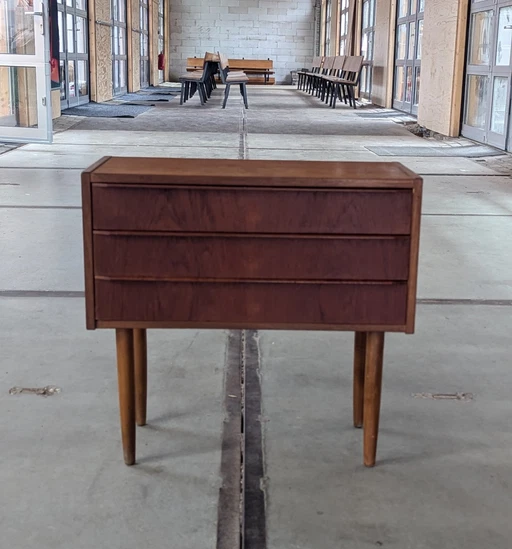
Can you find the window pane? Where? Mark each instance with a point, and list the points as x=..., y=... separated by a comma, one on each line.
x=70, y=35
x=63, y=85
x=417, y=88
x=401, y=41
x=366, y=14
x=420, y=39
x=81, y=5
x=412, y=39
x=83, y=78
x=480, y=38
x=414, y=4
x=81, y=35
x=71, y=77
x=62, y=45
x=399, y=83
x=342, y=47
x=504, y=37
x=18, y=106
x=408, y=86
x=402, y=8
x=499, y=103
x=477, y=100
x=122, y=74
x=422, y=6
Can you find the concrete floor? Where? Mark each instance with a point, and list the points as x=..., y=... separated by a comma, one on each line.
x=444, y=473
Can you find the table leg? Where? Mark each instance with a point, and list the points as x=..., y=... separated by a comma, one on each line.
x=126, y=382
x=372, y=393
x=141, y=375
x=359, y=372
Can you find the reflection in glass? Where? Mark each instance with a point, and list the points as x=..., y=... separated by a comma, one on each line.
x=477, y=99
x=499, y=102
x=401, y=41
x=504, y=37
x=81, y=5
x=414, y=3
x=422, y=6
x=18, y=97
x=480, y=38
x=16, y=28
x=399, y=83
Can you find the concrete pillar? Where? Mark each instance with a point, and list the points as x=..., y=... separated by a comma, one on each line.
x=442, y=66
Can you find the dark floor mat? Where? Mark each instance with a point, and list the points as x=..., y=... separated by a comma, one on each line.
x=386, y=114
x=144, y=97
x=471, y=151
x=101, y=110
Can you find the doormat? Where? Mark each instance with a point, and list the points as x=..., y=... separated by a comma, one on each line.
x=471, y=151
x=386, y=115
x=142, y=96
x=102, y=110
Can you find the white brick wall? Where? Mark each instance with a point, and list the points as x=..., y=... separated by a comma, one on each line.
x=282, y=30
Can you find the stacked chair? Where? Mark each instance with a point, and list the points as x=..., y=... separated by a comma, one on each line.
x=202, y=81
x=333, y=78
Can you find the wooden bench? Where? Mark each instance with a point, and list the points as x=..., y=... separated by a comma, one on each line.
x=250, y=244
x=259, y=71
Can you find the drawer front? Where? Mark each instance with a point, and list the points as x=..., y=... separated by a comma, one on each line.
x=272, y=305
x=245, y=210
x=267, y=258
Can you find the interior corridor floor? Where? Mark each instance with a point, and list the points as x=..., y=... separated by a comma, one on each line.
x=443, y=477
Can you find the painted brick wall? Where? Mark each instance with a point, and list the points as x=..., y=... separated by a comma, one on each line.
x=282, y=30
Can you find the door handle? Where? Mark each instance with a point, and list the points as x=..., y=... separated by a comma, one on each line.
x=40, y=13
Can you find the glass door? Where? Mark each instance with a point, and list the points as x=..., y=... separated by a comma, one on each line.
x=161, y=37
x=25, y=100
x=119, y=48
x=367, y=41
x=409, y=34
x=74, y=56
x=488, y=73
x=144, y=43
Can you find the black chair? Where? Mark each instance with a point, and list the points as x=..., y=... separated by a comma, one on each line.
x=201, y=81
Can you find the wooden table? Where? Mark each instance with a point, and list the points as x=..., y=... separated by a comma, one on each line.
x=249, y=244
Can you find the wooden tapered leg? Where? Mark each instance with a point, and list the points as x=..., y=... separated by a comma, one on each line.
x=141, y=375
x=359, y=372
x=372, y=392
x=126, y=382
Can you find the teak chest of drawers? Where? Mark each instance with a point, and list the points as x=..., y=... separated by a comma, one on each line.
x=242, y=244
